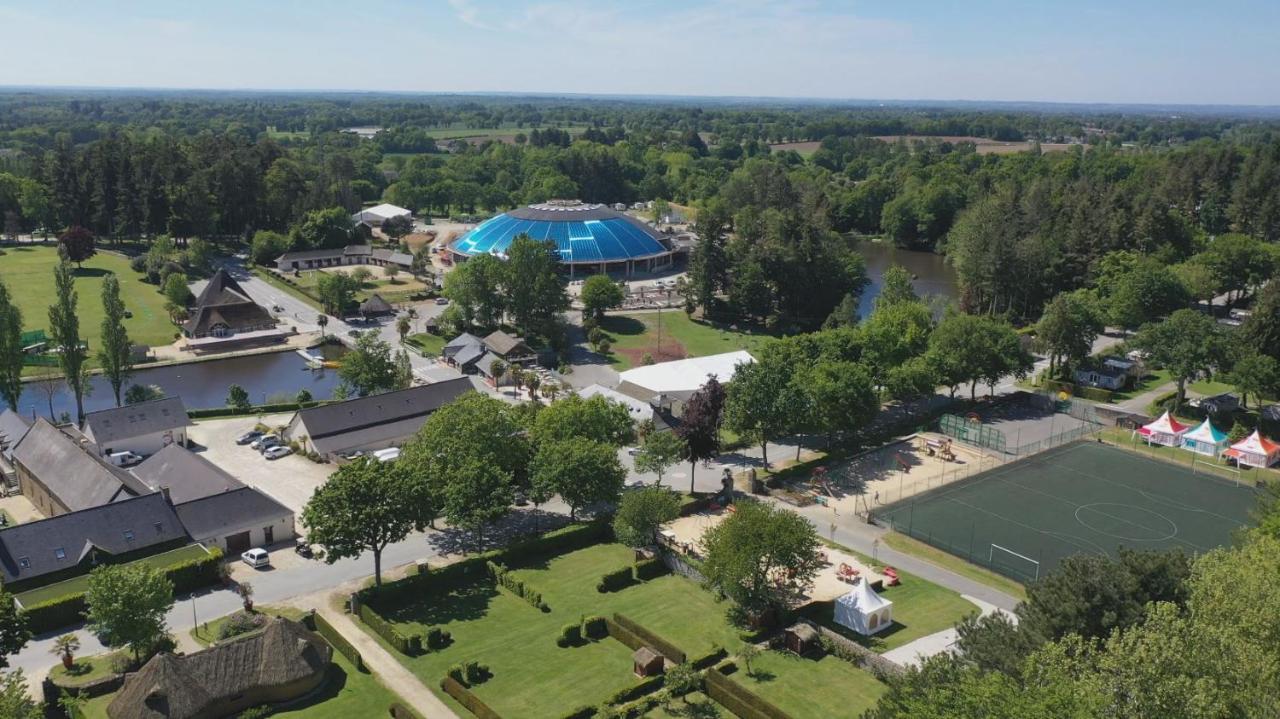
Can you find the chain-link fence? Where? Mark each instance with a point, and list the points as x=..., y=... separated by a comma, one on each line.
x=971, y=432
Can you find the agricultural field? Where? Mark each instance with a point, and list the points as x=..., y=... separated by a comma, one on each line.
x=633, y=336
x=28, y=273
x=985, y=146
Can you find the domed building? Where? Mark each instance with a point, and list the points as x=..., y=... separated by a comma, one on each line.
x=590, y=238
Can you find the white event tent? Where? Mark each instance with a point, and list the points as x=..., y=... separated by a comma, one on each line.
x=864, y=611
x=1205, y=439
x=1166, y=430
x=1255, y=451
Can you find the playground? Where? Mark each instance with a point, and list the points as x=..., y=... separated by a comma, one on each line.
x=895, y=472
x=1023, y=518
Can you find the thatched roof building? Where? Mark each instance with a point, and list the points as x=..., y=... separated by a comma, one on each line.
x=282, y=662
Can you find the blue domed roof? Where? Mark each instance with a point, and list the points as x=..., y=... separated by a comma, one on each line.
x=582, y=233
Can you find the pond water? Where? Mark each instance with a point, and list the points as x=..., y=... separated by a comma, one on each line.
x=934, y=278
x=201, y=385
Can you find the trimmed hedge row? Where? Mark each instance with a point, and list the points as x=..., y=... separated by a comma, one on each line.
x=647, y=569
x=516, y=586
x=738, y=699
x=1097, y=394
x=648, y=638
x=400, y=711
x=636, y=691
x=338, y=642
x=572, y=635
x=709, y=660
x=408, y=645
x=69, y=609
x=466, y=698
x=470, y=673
x=616, y=580
x=584, y=712
x=595, y=628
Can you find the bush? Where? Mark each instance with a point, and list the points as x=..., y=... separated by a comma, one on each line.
x=259, y=712
x=582, y=712
x=615, y=580
x=436, y=638
x=570, y=635
x=197, y=573
x=241, y=623
x=636, y=691
x=455, y=689
x=595, y=628
x=457, y=672
x=738, y=699
x=516, y=586
x=476, y=673
x=55, y=613
x=407, y=645
x=647, y=569
x=338, y=642
x=400, y=711
x=664, y=647
x=138, y=264
x=1095, y=394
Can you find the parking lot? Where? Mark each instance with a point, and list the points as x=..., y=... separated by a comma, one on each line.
x=290, y=480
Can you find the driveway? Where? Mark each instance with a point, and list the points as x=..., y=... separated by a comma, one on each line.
x=289, y=480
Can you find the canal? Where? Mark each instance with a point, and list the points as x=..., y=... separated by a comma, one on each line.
x=201, y=385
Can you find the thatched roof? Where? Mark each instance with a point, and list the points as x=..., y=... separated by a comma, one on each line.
x=172, y=687
x=375, y=305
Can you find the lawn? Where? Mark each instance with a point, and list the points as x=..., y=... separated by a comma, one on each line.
x=207, y=633
x=28, y=273
x=431, y=345
x=305, y=286
x=811, y=689
x=635, y=335
x=952, y=563
x=532, y=677
x=84, y=669
x=77, y=585
x=349, y=694
x=1151, y=380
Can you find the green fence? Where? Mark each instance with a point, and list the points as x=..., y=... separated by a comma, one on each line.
x=971, y=432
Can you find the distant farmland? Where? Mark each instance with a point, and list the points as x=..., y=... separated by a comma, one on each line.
x=984, y=145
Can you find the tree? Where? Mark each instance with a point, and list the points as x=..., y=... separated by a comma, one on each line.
x=659, y=451
x=403, y=327
x=474, y=287
x=138, y=393
x=1068, y=328
x=1261, y=331
x=397, y=227
x=199, y=255
x=1188, y=343
x=700, y=426
x=11, y=354
x=336, y=291
x=319, y=229
x=403, y=371
x=498, y=370
x=15, y=699
x=969, y=349
x=476, y=495
x=762, y=557
x=116, y=353
x=14, y=633
x=600, y=293
x=176, y=289
x=535, y=295
x=1137, y=290
x=1255, y=374
x=369, y=367
x=76, y=244
x=596, y=418
x=64, y=330
x=895, y=287
x=840, y=397
x=323, y=321
x=763, y=403
x=749, y=653
x=66, y=647
x=303, y=397
x=127, y=604
x=642, y=512
x=361, y=275
x=582, y=471
x=363, y=507
x=238, y=398
x=267, y=247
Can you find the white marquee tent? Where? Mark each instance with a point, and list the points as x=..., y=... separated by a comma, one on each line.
x=1166, y=430
x=1205, y=439
x=1255, y=451
x=864, y=611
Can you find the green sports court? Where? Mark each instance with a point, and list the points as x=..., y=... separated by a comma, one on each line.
x=1022, y=519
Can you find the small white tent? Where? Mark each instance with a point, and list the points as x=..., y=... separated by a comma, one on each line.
x=864, y=611
x=1165, y=430
x=1205, y=439
x=1255, y=451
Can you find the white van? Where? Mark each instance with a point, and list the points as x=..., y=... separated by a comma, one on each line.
x=124, y=459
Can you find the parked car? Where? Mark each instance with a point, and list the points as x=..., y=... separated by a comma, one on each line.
x=256, y=558
x=277, y=451
x=264, y=441
x=248, y=437
x=442, y=300
x=124, y=459
x=390, y=454
x=303, y=548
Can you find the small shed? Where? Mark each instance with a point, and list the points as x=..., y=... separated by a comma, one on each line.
x=800, y=638
x=864, y=611
x=375, y=306
x=648, y=662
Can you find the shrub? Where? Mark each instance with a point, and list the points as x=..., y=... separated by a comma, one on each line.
x=647, y=569
x=55, y=613
x=516, y=586
x=570, y=635
x=258, y=712
x=457, y=672
x=241, y=623
x=636, y=691
x=615, y=580
x=582, y=712
x=196, y=573
x=338, y=642
x=437, y=638
x=400, y=711
x=664, y=647
x=595, y=628
x=476, y=673
x=138, y=264
x=455, y=689
x=409, y=646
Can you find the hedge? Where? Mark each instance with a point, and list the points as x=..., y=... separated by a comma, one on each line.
x=710, y=659
x=400, y=711
x=583, y=712
x=197, y=573
x=466, y=698
x=338, y=642
x=738, y=699
x=636, y=691
x=664, y=647
x=570, y=635
x=408, y=645
x=616, y=580
x=647, y=569
x=595, y=628
x=212, y=412
x=516, y=586
x=436, y=638
x=622, y=634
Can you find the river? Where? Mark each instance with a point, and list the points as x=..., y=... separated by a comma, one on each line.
x=934, y=278
x=201, y=385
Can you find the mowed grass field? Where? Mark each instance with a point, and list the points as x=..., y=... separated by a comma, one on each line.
x=635, y=335
x=28, y=273
x=806, y=688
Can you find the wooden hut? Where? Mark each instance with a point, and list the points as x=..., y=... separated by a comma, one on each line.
x=648, y=663
x=800, y=638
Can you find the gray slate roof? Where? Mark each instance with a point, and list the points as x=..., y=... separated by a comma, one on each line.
x=78, y=533
x=187, y=475
x=75, y=475
x=283, y=654
x=503, y=344
x=108, y=426
x=365, y=413
x=466, y=339
x=13, y=427
x=398, y=258
x=216, y=514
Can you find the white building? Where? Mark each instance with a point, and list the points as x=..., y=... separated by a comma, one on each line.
x=144, y=428
x=378, y=214
x=686, y=375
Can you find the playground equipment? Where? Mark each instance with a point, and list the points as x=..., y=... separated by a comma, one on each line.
x=940, y=448
x=890, y=577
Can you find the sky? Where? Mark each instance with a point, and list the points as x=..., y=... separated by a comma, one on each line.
x=1116, y=51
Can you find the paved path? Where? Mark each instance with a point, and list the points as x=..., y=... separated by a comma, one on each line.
x=387, y=668
x=911, y=653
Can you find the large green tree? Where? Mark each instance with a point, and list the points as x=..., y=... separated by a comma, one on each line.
x=331, y=227
x=1068, y=328
x=64, y=330
x=841, y=397
x=116, y=353
x=127, y=604
x=474, y=287
x=658, y=452
x=370, y=368
x=363, y=507
x=600, y=293
x=337, y=292
x=535, y=294
x=14, y=633
x=1187, y=343
x=582, y=471
x=762, y=557
x=596, y=418
x=642, y=512
x=11, y=354
x=477, y=494
x=763, y=402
